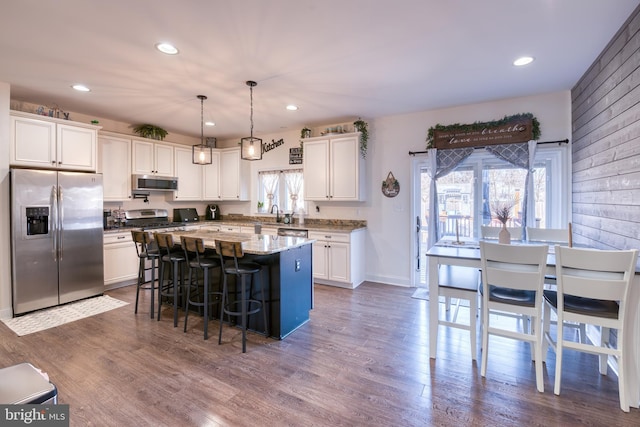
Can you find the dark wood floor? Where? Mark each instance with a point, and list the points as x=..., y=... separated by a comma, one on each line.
x=361, y=360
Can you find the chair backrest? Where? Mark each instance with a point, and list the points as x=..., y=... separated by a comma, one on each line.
x=596, y=274
x=229, y=250
x=519, y=267
x=489, y=232
x=164, y=241
x=552, y=235
x=142, y=239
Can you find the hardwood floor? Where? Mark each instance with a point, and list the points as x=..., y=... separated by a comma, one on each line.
x=361, y=360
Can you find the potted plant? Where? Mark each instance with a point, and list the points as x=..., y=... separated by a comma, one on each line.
x=362, y=127
x=150, y=131
x=260, y=206
x=502, y=211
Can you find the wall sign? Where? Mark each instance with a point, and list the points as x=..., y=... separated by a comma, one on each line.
x=268, y=146
x=511, y=129
x=295, y=156
x=390, y=186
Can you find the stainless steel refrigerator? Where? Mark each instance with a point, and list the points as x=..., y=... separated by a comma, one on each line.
x=56, y=237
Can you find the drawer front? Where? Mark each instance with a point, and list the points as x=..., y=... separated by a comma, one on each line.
x=111, y=238
x=331, y=237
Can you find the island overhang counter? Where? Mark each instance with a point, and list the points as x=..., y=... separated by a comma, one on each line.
x=287, y=266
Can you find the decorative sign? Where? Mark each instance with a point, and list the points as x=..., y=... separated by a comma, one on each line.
x=521, y=127
x=390, y=186
x=295, y=156
x=268, y=146
x=520, y=131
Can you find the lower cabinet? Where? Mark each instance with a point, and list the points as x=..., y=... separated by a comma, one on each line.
x=120, y=258
x=338, y=258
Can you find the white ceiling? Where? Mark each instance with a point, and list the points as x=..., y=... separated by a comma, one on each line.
x=336, y=59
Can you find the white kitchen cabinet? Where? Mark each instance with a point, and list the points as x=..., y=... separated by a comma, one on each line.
x=227, y=177
x=333, y=168
x=114, y=154
x=338, y=258
x=120, y=258
x=269, y=231
x=211, y=178
x=41, y=142
x=152, y=158
x=230, y=228
x=189, y=176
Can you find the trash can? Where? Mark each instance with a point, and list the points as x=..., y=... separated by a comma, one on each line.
x=23, y=384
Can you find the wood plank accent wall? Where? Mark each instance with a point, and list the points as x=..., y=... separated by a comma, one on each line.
x=606, y=145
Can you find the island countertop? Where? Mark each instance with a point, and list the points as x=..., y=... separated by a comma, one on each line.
x=255, y=244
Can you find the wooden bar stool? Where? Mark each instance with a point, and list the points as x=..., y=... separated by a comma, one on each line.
x=197, y=260
x=146, y=251
x=229, y=253
x=174, y=285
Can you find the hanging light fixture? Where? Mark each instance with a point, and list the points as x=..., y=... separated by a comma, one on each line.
x=251, y=147
x=202, y=153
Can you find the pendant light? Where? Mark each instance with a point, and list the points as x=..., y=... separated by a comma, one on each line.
x=251, y=147
x=201, y=154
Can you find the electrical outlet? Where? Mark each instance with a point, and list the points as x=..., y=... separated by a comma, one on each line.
x=298, y=265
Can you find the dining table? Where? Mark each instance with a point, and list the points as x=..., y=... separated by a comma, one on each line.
x=466, y=253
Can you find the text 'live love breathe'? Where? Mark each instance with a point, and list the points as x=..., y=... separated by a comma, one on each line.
x=517, y=131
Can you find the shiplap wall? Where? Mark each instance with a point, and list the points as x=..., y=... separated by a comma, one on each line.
x=606, y=145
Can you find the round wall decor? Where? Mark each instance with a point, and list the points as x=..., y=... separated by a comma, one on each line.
x=390, y=186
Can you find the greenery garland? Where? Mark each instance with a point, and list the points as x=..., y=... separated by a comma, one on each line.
x=361, y=126
x=477, y=126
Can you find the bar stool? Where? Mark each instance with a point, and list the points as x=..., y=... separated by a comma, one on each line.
x=246, y=306
x=194, y=253
x=146, y=251
x=176, y=259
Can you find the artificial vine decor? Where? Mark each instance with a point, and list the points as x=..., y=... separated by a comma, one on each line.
x=150, y=131
x=480, y=126
x=362, y=127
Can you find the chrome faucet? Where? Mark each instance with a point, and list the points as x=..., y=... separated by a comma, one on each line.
x=277, y=212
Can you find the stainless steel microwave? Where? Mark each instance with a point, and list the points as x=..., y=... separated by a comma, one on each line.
x=152, y=182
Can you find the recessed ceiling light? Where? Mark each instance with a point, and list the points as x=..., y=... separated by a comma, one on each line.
x=81, y=88
x=167, y=48
x=209, y=124
x=523, y=61
x=292, y=107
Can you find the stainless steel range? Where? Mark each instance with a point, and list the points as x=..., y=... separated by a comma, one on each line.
x=150, y=219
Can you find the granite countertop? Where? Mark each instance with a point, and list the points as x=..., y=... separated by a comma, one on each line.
x=340, y=226
x=255, y=244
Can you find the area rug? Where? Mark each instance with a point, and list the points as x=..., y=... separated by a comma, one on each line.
x=421, y=293
x=56, y=316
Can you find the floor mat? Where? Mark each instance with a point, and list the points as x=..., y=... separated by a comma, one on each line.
x=56, y=316
x=421, y=293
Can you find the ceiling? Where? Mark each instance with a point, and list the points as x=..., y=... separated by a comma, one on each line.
x=336, y=59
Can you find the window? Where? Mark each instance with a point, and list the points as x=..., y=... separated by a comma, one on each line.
x=284, y=188
x=467, y=196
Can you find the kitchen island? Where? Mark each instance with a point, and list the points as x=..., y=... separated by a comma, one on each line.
x=287, y=275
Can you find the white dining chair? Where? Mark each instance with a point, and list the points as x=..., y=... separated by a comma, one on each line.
x=512, y=282
x=460, y=283
x=553, y=236
x=593, y=288
x=548, y=235
x=489, y=232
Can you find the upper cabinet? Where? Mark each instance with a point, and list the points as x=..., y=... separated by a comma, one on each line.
x=189, y=176
x=114, y=155
x=152, y=158
x=333, y=168
x=234, y=175
x=227, y=177
x=41, y=142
